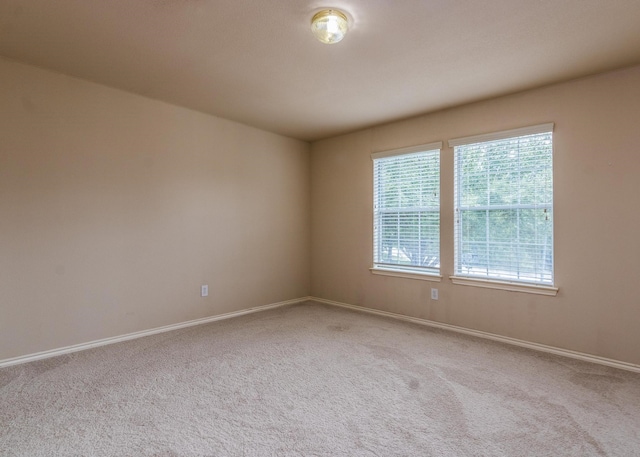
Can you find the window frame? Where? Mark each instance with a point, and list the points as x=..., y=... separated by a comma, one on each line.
x=406, y=271
x=544, y=288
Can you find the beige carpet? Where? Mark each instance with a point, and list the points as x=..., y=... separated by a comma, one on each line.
x=311, y=380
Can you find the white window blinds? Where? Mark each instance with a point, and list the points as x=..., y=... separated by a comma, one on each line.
x=406, y=188
x=503, y=193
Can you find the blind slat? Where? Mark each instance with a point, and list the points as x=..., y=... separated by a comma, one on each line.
x=503, y=191
x=407, y=208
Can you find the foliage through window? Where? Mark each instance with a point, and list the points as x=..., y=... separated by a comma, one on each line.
x=407, y=209
x=503, y=192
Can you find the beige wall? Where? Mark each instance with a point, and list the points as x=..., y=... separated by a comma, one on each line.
x=115, y=208
x=597, y=219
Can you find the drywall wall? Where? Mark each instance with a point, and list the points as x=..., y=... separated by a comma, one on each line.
x=115, y=208
x=597, y=242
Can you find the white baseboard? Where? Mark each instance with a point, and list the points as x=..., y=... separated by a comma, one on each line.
x=489, y=336
x=454, y=328
x=140, y=334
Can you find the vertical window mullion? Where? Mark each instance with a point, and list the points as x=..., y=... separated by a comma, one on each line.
x=398, y=236
x=487, y=241
x=487, y=215
x=419, y=216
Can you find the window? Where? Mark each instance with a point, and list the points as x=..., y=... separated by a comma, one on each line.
x=503, y=193
x=406, y=194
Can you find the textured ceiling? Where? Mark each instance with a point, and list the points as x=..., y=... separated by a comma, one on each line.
x=257, y=62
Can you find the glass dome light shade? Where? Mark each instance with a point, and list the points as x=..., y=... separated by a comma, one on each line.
x=329, y=26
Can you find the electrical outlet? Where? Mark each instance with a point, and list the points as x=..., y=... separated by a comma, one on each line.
x=204, y=291
x=434, y=294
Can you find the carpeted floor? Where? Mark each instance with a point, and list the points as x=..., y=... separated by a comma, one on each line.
x=312, y=380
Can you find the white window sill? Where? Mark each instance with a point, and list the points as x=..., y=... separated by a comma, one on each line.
x=405, y=274
x=505, y=285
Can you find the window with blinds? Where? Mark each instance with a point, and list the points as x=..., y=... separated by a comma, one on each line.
x=503, y=193
x=406, y=193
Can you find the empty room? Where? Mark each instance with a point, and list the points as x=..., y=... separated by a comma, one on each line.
x=305, y=228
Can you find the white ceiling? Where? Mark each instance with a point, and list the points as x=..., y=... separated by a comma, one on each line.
x=256, y=61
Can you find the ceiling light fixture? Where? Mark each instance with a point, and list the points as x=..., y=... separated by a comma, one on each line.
x=329, y=26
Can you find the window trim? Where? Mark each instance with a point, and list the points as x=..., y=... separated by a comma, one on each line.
x=406, y=272
x=530, y=288
x=493, y=283
x=408, y=150
x=502, y=135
